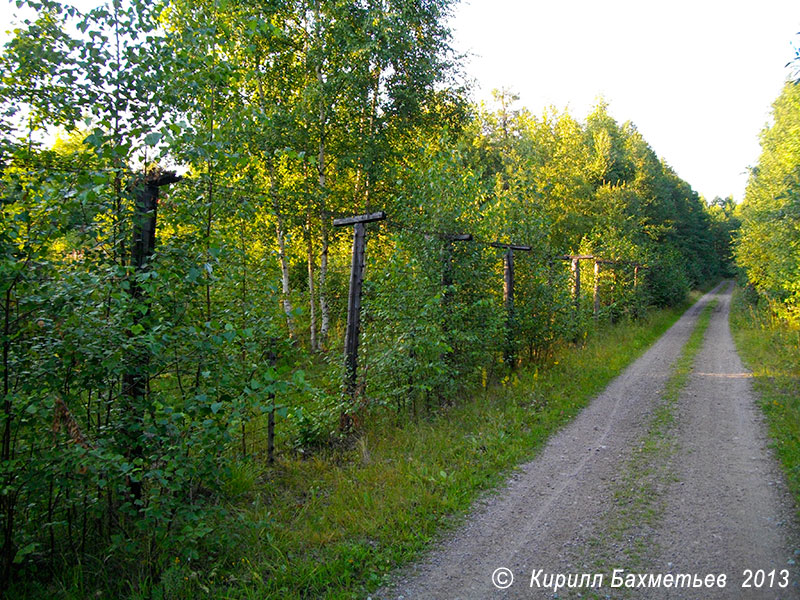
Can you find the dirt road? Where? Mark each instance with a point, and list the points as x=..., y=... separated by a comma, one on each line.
x=664, y=489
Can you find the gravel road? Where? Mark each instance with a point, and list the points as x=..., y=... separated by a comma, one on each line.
x=639, y=483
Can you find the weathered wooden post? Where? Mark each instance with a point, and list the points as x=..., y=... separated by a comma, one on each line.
x=576, y=274
x=508, y=280
x=576, y=283
x=447, y=261
x=448, y=240
x=135, y=378
x=639, y=300
x=576, y=280
x=508, y=297
x=354, y=299
x=271, y=356
x=145, y=216
x=596, y=288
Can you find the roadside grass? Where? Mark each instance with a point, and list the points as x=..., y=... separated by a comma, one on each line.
x=626, y=537
x=335, y=525
x=770, y=348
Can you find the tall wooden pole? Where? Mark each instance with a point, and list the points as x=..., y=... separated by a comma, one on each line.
x=447, y=260
x=354, y=301
x=135, y=378
x=508, y=299
x=596, y=288
x=448, y=248
x=354, y=307
x=576, y=283
x=508, y=280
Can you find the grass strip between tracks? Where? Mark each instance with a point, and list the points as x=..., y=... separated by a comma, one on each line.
x=625, y=538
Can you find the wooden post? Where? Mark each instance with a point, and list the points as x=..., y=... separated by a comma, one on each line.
x=447, y=268
x=354, y=299
x=596, y=288
x=447, y=259
x=639, y=295
x=576, y=274
x=447, y=295
x=354, y=307
x=576, y=283
x=144, y=224
x=136, y=375
x=508, y=281
x=508, y=298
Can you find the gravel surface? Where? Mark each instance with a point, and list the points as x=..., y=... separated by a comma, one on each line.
x=729, y=509
x=625, y=487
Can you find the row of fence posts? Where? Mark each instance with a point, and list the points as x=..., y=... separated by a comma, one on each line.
x=357, y=279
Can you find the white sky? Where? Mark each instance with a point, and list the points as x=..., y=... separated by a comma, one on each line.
x=697, y=77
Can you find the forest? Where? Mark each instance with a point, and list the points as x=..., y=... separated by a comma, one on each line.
x=174, y=291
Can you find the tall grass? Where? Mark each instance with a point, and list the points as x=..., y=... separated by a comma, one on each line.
x=770, y=347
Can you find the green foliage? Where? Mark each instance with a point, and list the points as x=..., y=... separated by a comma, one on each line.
x=668, y=278
x=162, y=339
x=766, y=247
x=724, y=227
x=771, y=350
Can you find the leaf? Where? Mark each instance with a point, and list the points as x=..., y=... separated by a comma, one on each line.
x=215, y=407
x=151, y=139
x=23, y=552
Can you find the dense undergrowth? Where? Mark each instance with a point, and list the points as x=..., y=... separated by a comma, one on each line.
x=335, y=524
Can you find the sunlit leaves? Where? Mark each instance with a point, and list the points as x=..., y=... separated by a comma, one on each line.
x=768, y=244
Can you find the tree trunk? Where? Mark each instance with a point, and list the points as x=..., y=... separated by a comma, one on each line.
x=280, y=231
x=324, y=310
x=8, y=500
x=321, y=183
x=209, y=219
x=311, y=294
x=325, y=316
